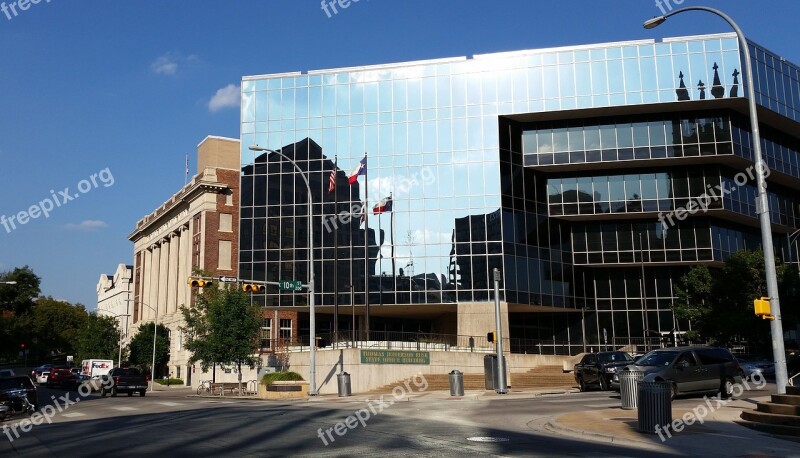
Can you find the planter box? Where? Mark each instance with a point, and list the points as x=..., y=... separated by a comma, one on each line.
x=283, y=390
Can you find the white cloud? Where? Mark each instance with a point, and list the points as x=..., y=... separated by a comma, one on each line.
x=165, y=65
x=87, y=226
x=228, y=96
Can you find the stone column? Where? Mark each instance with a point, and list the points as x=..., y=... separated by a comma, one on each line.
x=144, y=294
x=184, y=267
x=163, y=277
x=172, y=285
x=155, y=267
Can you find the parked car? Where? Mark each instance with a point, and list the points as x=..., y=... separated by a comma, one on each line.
x=123, y=380
x=74, y=382
x=601, y=369
x=7, y=373
x=692, y=369
x=41, y=379
x=753, y=364
x=57, y=376
x=12, y=387
x=36, y=373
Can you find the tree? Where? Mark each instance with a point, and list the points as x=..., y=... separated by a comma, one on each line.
x=55, y=326
x=141, y=346
x=98, y=338
x=693, y=298
x=223, y=327
x=19, y=298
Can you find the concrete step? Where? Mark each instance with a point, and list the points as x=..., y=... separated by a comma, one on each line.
x=771, y=418
x=787, y=399
x=771, y=429
x=546, y=370
x=782, y=409
x=793, y=390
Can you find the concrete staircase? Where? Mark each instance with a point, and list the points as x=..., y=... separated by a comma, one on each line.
x=781, y=416
x=543, y=377
x=537, y=378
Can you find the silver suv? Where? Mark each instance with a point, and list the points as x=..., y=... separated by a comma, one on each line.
x=692, y=369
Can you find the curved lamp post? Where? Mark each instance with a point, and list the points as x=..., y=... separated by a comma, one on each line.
x=155, y=331
x=762, y=205
x=119, y=359
x=8, y=283
x=312, y=379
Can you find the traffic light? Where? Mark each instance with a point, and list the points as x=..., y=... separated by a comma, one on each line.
x=199, y=282
x=251, y=288
x=491, y=337
x=762, y=308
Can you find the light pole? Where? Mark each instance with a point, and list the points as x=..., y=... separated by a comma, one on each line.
x=8, y=283
x=762, y=205
x=312, y=379
x=119, y=359
x=155, y=332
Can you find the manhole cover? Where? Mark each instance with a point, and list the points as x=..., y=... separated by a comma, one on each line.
x=487, y=439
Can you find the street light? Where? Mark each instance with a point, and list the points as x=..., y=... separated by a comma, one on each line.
x=8, y=282
x=155, y=331
x=762, y=206
x=119, y=359
x=312, y=380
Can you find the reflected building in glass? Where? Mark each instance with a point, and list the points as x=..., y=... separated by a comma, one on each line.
x=567, y=169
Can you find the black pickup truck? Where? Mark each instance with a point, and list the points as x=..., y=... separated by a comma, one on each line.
x=124, y=380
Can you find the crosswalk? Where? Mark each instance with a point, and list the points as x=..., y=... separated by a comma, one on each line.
x=598, y=400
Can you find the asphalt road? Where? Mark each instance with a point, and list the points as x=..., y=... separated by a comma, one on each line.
x=174, y=424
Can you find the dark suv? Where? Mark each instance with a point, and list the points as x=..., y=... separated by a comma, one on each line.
x=601, y=369
x=692, y=369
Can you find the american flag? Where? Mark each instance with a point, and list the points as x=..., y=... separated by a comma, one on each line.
x=332, y=179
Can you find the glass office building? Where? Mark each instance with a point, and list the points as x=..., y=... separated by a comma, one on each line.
x=564, y=168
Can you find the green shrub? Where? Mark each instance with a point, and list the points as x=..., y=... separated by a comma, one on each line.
x=169, y=381
x=280, y=377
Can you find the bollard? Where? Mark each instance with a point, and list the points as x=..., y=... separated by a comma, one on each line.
x=344, y=384
x=456, y=383
x=655, y=405
x=628, y=388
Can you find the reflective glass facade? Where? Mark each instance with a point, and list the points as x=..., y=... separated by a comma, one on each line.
x=475, y=182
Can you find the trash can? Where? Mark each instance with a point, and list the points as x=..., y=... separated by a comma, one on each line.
x=456, y=383
x=655, y=405
x=344, y=384
x=628, y=388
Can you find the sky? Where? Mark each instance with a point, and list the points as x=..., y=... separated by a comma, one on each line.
x=103, y=99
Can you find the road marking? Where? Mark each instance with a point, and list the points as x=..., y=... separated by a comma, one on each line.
x=573, y=400
x=74, y=414
x=599, y=406
x=170, y=404
x=125, y=409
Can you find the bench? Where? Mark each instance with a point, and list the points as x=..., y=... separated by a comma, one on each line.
x=220, y=388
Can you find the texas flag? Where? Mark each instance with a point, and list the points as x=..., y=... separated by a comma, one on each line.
x=360, y=170
x=383, y=206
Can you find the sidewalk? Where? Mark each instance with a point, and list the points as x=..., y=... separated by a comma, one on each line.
x=714, y=434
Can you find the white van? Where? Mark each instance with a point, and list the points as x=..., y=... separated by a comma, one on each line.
x=95, y=368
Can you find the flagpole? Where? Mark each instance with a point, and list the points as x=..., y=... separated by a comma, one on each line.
x=335, y=255
x=366, y=247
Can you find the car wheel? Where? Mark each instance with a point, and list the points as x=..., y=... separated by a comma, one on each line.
x=726, y=390
x=603, y=383
x=142, y=393
x=114, y=392
x=102, y=392
x=582, y=385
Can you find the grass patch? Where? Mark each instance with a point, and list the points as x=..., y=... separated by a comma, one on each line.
x=280, y=377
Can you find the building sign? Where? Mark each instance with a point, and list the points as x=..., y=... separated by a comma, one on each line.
x=395, y=357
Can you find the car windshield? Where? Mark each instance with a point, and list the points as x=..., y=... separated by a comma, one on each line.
x=15, y=383
x=614, y=357
x=657, y=358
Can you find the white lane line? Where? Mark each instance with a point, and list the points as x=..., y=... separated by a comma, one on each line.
x=581, y=399
x=170, y=404
x=125, y=409
x=73, y=414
